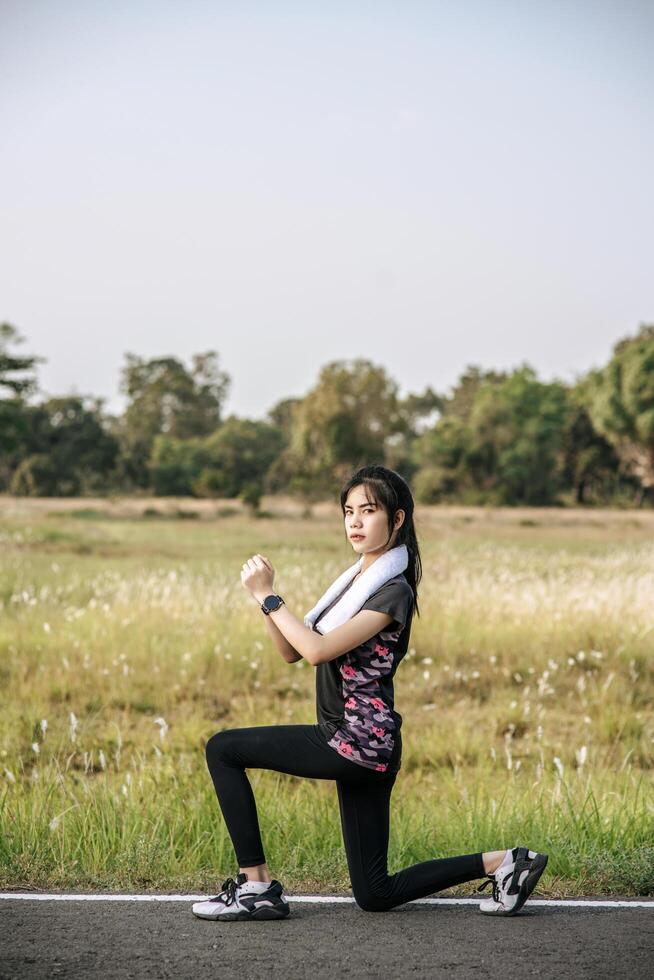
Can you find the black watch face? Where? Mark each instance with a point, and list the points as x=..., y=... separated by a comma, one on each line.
x=272, y=602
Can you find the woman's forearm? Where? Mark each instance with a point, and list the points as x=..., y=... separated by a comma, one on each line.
x=289, y=653
x=297, y=637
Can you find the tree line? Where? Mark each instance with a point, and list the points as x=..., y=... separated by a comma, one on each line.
x=498, y=437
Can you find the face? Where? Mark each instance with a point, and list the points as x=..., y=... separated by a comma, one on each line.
x=368, y=520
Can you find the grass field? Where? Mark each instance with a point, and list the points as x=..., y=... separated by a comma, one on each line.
x=127, y=640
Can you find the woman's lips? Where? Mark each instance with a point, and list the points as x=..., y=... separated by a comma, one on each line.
x=357, y=537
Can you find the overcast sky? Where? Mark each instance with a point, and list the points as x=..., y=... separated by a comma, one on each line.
x=424, y=184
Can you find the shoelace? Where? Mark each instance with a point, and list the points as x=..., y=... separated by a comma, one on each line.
x=228, y=890
x=491, y=881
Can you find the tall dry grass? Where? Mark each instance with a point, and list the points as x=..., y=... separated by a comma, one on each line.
x=126, y=641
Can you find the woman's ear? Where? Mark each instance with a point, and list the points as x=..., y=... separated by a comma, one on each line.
x=399, y=523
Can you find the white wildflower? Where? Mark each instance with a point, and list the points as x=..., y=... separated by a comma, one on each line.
x=559, y=766
x=103, y=761
x=427, y=660
x=426, y=675
x=73, y=727
x=46, y=627
x=54, y=823
x=44, y=724
x=580, y=755
x=163, y=727
x=10, y=776
x=35, y=747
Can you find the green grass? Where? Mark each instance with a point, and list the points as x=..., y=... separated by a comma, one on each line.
x=526, y=695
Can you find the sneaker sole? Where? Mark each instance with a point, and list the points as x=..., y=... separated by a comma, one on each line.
x=270, y=912
x=526, y=888
x=228, y=916
x=262, y=913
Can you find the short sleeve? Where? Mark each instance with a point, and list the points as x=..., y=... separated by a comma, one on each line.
x=394, y=598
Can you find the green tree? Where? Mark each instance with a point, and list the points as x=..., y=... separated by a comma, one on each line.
x=440, y=459
x=237, y=458
x=345, y=421
x=620, y=403
x=516, y=435
x=589, y=463
x=230, y=462
x=68, y=451
x=165, y=398
x=281, y=416
x=440, y=453
x=415, y=415
x=498, y=441
x=17, y=382
x=461, y=402
x=13, y=368
x=175, y=465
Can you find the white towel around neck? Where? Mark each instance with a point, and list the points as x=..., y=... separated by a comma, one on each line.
x=387, y=566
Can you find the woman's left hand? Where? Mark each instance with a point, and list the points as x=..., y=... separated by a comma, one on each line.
x=258, y=575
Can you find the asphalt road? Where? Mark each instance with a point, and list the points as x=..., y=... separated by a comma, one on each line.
x=143, y=940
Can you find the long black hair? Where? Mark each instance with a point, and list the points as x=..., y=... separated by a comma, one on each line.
x=391, y=492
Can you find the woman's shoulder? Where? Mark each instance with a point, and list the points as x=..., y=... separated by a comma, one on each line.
x=398, y=585
x=395, y=597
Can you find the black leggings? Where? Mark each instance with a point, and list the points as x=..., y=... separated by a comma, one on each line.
x=363, y=795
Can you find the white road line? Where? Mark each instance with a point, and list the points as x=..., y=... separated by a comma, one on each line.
x=327, y=899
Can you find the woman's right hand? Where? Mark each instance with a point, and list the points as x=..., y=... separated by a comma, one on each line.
x=258, y=575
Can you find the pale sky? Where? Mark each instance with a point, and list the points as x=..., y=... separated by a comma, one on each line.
x=424, y=184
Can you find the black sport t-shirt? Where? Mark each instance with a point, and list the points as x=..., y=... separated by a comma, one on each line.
x=354, y=692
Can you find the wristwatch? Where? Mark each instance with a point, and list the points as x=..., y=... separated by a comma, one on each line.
x=271, y=603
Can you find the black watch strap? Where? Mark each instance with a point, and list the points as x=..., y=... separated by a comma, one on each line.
x=271, y=603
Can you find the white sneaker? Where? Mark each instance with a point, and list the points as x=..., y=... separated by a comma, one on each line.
x=513, y=883
x=240, y=900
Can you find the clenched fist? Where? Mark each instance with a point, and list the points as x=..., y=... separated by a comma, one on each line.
x=257, y=575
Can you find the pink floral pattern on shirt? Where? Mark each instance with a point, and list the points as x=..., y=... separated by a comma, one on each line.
x=366, y=735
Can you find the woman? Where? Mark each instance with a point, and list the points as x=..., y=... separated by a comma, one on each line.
x=365, y=622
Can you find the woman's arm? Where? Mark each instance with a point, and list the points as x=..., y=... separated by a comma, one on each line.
x=315, y=647
x=257, y=576
x=289, y=653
